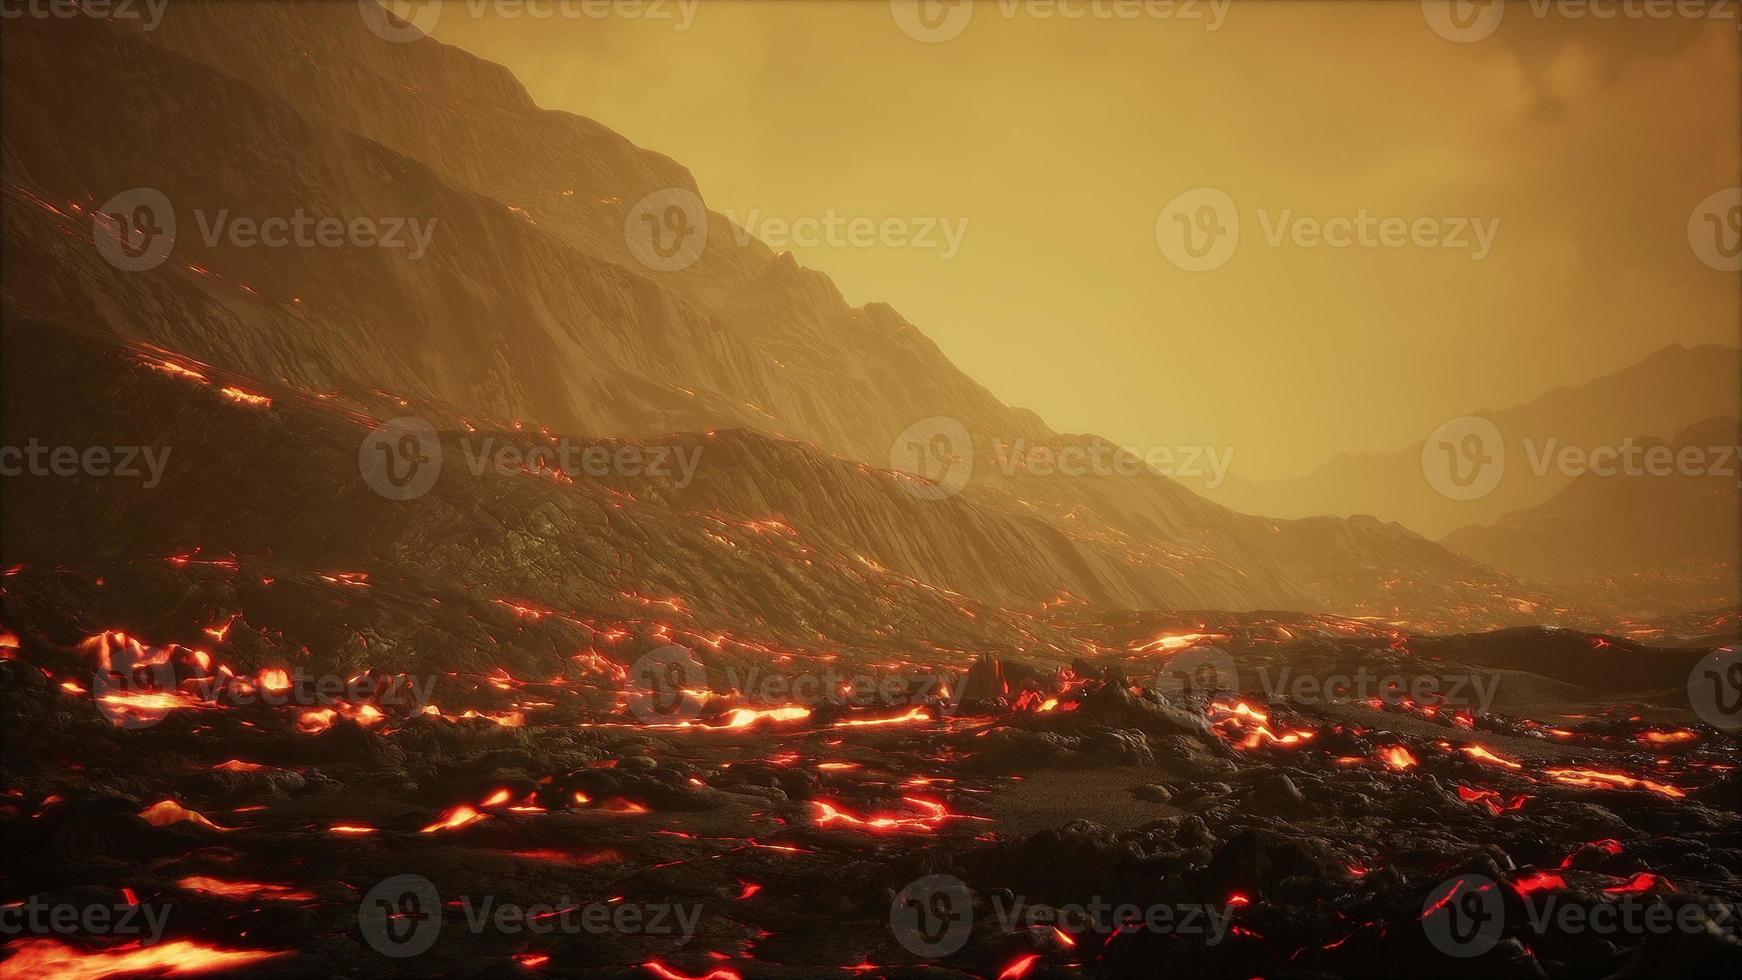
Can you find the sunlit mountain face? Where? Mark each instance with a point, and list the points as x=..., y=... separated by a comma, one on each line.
x=913, y=489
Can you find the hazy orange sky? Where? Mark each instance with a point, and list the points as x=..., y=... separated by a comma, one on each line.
x=1060, y=141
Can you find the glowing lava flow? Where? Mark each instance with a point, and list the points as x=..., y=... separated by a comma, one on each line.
x=454, y=818
x=244, y=889
x=826, y=814
x=745, y=717
x=1398, y=757
x=915, y=714
x=248, y=398
x=1481, y=754
x=167, y=812
x=1173, y=642
x=1596, y=779
x=664, y=972
x=53, y=958
x=1491, y=799
x=1237, y=718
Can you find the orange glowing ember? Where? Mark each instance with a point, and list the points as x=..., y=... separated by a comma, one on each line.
x=745, y=717
x=1398, y=757
x=275, y=679
x=172, y=368
x=1668, y=738
x=1491, y=799
x=237, y=765
x=248, y=398
x=221, y=630
x=167, y=812
x=352, y=829
x=1596, y=779
x=53, y=958
x=1481, y=754
x=1173, y=642
x=454, y=818
x=826, y=814
x=664, y=972
x=244, y=889
x=913, y=714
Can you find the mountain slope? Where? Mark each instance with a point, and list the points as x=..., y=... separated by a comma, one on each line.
x=1674, y=387
x=1653, y=543
x=536, y=317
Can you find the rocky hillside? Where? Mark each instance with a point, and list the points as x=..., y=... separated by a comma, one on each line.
x=525, y=307
x=1649, y=541
x=1675, y=387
